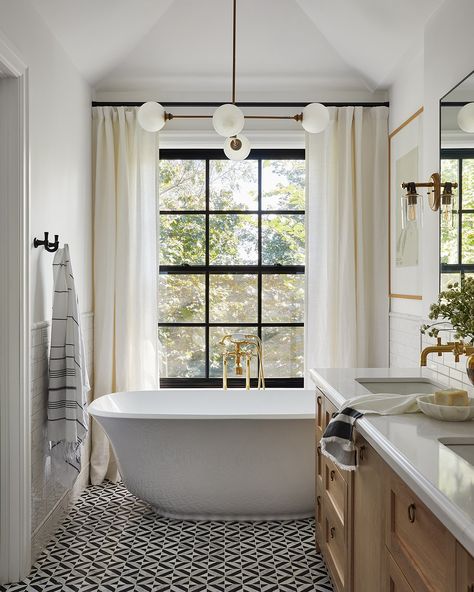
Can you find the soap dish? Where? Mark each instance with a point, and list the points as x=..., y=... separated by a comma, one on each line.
x=445, y=412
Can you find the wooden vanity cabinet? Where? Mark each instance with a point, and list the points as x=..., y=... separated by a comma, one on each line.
x=375, y=534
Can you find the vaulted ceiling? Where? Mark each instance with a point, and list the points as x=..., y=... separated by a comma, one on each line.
x=285, y=47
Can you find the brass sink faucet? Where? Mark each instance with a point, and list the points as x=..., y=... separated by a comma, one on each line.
x=242, y=347
x=458, y=348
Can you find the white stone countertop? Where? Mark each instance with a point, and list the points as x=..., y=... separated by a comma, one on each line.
x=410, y=445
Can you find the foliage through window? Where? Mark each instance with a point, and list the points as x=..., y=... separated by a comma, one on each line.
x=232, y=255
x=457, y=237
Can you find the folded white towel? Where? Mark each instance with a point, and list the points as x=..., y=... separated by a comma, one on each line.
x=337, y=441
x=68, y=380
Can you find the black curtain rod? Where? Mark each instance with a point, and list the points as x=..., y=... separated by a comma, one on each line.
x=454, y=103
x=239, y=104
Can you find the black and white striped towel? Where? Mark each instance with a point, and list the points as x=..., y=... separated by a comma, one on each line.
x=68, y=380
x=337, y=442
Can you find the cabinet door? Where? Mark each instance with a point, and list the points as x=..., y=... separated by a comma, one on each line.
x=464, y=570
x=422, y=547
x=394, y=580
x=368, y=517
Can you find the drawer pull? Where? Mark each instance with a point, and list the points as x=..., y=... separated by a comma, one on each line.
x=332, y=475
x=411, y=513
x=332, y=532
x=318, y=501
x=362, y=452
x=319, y=399
x=318, y=448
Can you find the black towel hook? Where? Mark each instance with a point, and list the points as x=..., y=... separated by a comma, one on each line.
x=50, y=247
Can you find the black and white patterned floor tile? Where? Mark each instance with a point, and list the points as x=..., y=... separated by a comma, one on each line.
x=113, y=542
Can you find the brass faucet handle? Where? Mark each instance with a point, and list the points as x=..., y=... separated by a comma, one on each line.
x=458, y=350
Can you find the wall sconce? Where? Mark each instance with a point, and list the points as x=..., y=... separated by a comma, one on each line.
x=435, y=197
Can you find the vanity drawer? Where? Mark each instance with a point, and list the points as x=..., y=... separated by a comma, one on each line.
x=334, y=546
x=335, y=488
x=422, y=547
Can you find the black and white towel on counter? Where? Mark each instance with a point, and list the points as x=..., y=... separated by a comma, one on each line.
x=337, y=442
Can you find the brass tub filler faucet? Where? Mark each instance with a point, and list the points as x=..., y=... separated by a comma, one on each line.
x=242, y=348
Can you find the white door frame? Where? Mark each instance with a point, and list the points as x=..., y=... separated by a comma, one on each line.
x=15, y=462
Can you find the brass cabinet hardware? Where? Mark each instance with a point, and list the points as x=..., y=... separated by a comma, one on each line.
x=318, y=501
x=411, y=513
x=362, y=450
x=332, y=475
x=319, y=400
x=332, y=532
x=318, y=448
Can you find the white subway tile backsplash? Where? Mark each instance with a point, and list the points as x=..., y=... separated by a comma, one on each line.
x=406, y=342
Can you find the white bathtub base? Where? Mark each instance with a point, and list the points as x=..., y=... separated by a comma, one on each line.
x=225, y=466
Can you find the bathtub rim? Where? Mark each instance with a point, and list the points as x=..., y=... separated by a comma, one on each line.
x=96, y=408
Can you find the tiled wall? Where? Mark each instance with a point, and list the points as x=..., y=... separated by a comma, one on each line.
x=50, y=499
x=406, y=343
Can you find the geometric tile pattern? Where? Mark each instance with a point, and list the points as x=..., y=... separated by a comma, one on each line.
x=113, y=542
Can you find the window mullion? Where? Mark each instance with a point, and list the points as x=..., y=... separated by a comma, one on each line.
x=207, y=272
x=259, y=245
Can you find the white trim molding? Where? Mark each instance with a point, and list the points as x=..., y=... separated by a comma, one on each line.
x=15, y=478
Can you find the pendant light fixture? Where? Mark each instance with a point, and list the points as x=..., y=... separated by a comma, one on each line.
x=228, y=120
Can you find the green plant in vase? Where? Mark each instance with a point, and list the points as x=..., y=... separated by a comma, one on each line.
x=456, y=306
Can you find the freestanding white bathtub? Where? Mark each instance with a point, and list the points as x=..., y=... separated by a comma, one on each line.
x=215, y=454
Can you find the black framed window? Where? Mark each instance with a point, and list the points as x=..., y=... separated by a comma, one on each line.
x=457, y=235
x=232, y=259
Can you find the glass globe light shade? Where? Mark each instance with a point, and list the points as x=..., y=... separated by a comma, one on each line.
x=315, y=118
x=466, y=118
x=228, y=120
x=237, y=147
x=151, y=116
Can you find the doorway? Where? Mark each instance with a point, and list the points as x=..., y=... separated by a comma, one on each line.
x=15, y=501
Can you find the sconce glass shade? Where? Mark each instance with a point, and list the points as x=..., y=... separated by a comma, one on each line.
x=466, y=118
x=315, y=118
x=411, y=204
x=228, y=120
x=151, y=116
x=237, y=148
x=447, y=206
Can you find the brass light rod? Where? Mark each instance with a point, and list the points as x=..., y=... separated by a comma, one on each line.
x=435, y=185
x=234, y=37
x=297, y=117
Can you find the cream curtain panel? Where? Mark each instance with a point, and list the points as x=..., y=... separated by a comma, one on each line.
x=347, y=243
x=125, y=160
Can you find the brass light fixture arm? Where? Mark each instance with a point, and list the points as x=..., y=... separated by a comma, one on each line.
x=435, y=185
x=170, y=116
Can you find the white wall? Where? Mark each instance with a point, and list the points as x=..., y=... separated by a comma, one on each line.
x=447, y=57
x=60, y=197
x=59, y=152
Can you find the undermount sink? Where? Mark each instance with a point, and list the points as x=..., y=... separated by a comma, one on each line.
x=463, y=447
x=400, y=386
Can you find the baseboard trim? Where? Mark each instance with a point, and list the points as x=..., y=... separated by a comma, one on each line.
x=45, y=531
